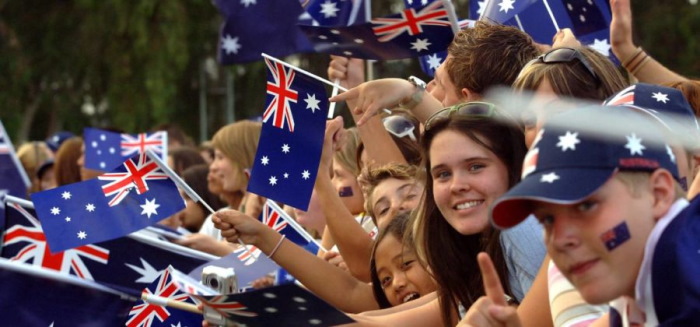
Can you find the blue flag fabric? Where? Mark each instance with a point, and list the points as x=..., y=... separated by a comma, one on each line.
x=338, y=12
x=291, y=139
x=13, y=179
x=105, y=150
x=410, y=33
x=287, y=303
x=36, y=297
x=541, y=19
x=135, y=195
x=252, y=27
x=171, y=284
x=127, y=264
x=476, y=8
x=431, y=62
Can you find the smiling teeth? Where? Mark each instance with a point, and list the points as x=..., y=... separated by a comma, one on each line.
x=410, y=297
x=467, y=205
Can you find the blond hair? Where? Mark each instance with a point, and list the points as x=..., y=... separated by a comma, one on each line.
x=238, y=142
x=373, y=176
x=635, y=181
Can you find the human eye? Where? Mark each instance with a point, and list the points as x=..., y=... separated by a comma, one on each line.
x=586, y=205
x=475, y=167
x=407, y=264
x=441, y=174
x=381, y=211
x=385, y=281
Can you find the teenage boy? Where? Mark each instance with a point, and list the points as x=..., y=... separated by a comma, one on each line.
x=615, y=220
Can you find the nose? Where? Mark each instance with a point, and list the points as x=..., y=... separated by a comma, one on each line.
x=459, y=183
x=399, y=282
x=563, y=233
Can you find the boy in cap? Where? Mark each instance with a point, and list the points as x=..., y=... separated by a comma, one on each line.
x=616, y=223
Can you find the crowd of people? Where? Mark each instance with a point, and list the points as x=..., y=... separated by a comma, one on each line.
x=456, y=211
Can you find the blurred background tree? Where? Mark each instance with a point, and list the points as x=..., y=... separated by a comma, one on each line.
x=131, y=65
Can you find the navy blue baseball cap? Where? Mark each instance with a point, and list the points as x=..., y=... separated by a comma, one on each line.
x=55, y=141
x=666, y=104
x=570, y=159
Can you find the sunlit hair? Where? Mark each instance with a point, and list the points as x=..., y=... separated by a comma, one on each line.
x=373, y=176
x=32, y=155
x=437, y=243
x=348, y=153
x=398, y=227
x=238, y=142
x=690, y=90
x=66, y=169
x=488, y=55
x=635, y=181
x=572, y=79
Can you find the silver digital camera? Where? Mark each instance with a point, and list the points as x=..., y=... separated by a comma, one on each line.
x=222, y=280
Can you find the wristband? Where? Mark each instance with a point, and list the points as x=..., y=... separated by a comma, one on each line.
x=417, y=96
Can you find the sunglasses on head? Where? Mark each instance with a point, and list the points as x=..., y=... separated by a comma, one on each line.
x=474, y=109
x=400, y=126
x=564, y=55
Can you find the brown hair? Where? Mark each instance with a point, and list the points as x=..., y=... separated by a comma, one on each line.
x=438, y=244
x=691, y=91
x=185, y=157
x=573, y=78
x=347, y=155
x=66, y=166
x=373, y=176
x=196, y=177
x=488, y=55
x=238, y=142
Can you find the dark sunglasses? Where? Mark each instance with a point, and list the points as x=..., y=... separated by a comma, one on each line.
x=399, y=126
x=474, y=108
x=564, y=55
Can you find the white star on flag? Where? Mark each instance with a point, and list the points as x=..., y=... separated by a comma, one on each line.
x=65, y=195
x=149, y=208
x=68, y=219
x=482, y=5
x=660, y=97
x=549, y=178
x=265, y=160
x=285, y=148
x=329, y=9
x=434, y=61
x=568, y=141
x=147, y=272
x=506, y=5
x=55, y=211
x=111, y=150
x=305, y=174
x=286, y=175
x=103, y=137
x=312, y=102
x=94, y=144
x=90, y=207
x=273, y=180
x=230, y=44
x=420, y=44
x=634, y=144
x=602, y=46
x=669, y=151
x=82, y=235
x=247, y=3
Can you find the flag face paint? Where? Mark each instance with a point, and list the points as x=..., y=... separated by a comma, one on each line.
x=616, y=236
x=345, y=192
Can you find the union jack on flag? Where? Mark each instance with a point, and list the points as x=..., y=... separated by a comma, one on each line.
x=38, y=252
x=145, y=313
x=411, y=21
x=226, y=308
x=82, y=213
x=248, y=254
x=105, y=150
x=282, y=94
x=133, y=175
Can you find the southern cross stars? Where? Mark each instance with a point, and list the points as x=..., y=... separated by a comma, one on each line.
x=506, y=5
x=434, y=61
x=602, y=46
x=420, y=44
x=82, y=235
x=305, y=174
x=312, y=102
x=65, y=195
x=273, y=180
x=90, y=207
x=265, y=160
x=568, y=141
x=634, y=144
x=55, y=211
x=149, y=208
x=230, y=44
x=285, y=148
x=329, y=9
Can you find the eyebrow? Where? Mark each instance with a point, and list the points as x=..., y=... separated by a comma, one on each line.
x=467, y=160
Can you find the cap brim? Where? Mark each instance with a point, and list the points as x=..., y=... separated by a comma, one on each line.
x=572, y=185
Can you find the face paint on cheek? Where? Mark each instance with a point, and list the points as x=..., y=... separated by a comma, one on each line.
x=345, y=192
x=616, y=236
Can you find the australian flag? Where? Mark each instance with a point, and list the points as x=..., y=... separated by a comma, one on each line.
x=13, y=179
x=430, y=63
x=172, y=286
x=37, y=297
x=127, y=263
x=135, y=195
x=287, y=303
x=246, y=270
x=252, y=27
x=588, y=19
x=291, y=140
x=410, y=33
x=105, y=150
x=338, y=12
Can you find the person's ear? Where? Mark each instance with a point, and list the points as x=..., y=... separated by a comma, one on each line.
x=469, y=95
x=663, y=190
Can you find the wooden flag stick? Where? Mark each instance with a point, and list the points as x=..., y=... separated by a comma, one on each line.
x=166, y=302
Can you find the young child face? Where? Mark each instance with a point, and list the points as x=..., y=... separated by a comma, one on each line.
x=598, y=243
x=393, y=195
x=467, y=179
x=402, y=278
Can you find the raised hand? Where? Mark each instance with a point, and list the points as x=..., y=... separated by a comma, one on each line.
x=621, y=29
x=371, y=97
x=349, y=71
x=491, y=309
